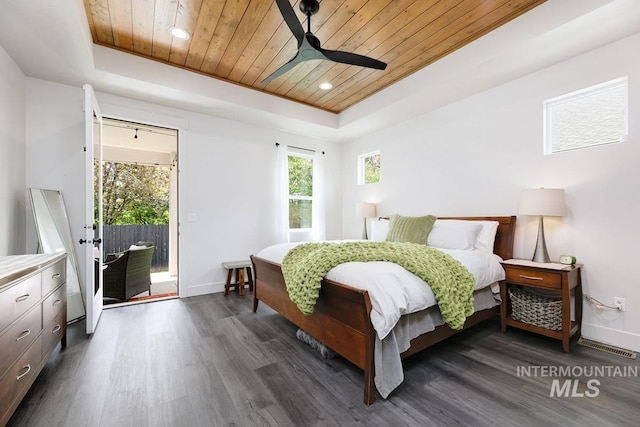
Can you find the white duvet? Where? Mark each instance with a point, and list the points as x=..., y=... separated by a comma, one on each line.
x=395, y=291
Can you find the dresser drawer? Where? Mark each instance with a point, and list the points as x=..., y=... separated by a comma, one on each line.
x=33, y=287
x=53, y=332
x=19, y=299
x=19, y=336
x=53, y=304
x=543, y=279
x=19, y=376
x=53, y=276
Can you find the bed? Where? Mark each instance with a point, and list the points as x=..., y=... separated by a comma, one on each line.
x=342, y=318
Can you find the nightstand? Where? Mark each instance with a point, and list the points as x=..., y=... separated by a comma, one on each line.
x=563, y=279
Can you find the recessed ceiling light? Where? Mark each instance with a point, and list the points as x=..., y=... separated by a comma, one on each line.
x=179, y=33
x=325, y=86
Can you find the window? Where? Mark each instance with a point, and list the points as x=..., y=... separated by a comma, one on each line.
x=300, y=211
x=369, y=168
x=593, y=116
x=300, y=191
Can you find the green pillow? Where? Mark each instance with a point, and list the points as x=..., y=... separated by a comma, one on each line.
x=414, y=229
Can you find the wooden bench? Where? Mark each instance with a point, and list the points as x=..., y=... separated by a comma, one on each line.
x=238, y=267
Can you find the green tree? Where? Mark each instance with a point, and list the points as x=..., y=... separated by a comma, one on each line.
x=300, y=176
x=134, y=194
x=300, y=192
x=372, y=169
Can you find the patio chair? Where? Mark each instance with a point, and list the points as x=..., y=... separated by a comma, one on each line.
x=128, y=273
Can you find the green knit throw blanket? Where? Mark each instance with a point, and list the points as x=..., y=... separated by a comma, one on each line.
x=304, y=267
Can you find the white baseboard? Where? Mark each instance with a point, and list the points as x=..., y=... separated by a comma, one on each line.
x=203, y=289
x=626, y=340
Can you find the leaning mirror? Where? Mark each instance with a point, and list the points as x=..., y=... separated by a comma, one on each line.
x=54, y=236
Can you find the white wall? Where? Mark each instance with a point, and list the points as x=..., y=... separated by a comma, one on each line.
x=54, y=150
x=226, y=175
x=475, y=156
x=12, y=155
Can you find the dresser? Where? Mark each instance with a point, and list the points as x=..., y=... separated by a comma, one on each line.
x=33, y=319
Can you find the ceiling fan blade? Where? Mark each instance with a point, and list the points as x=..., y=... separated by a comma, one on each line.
x=353, y=59
x=291, y=19
x=309, y=45
x=283, y=69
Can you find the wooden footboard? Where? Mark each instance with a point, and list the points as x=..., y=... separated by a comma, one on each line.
x=341, y=318
x=442, y=332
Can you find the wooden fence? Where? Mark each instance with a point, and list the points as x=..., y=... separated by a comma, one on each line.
x=118, y=238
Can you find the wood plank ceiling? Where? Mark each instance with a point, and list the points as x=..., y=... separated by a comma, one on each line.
x=243, y=41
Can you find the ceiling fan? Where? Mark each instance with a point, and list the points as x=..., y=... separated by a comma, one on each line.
x=309, y=45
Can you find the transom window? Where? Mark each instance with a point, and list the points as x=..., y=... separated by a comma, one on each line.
x=369, y=168
x=593, y=116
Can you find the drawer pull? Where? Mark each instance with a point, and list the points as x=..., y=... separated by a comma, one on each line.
x=56, y=302
x=531, y=277
x=23, y=335
x=56, y=328
x=55, y=276
x=28, y=369
x=23, y=298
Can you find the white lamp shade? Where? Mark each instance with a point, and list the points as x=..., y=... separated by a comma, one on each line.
x=365, y=210
x=542, y=201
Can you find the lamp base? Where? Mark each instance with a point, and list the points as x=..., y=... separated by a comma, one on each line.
x=365, y=235
x=540, y=254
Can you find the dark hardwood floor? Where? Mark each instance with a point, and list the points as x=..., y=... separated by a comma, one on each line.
x=209, y=361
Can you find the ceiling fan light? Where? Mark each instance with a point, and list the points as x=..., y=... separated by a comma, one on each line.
x=179, y=33
x=325, y=86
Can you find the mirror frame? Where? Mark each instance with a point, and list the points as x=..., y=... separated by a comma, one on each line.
x=60, y=220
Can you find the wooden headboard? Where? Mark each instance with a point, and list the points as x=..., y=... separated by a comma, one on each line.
x=503, y=245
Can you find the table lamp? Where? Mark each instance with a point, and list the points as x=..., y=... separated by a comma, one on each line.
x=541, y=202
x=365, y=210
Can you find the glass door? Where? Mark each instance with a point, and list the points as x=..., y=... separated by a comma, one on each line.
x=93, y=219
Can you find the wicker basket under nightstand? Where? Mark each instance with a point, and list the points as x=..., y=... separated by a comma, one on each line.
x=536, y=310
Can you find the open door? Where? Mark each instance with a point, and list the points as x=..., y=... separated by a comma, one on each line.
x=93, y=222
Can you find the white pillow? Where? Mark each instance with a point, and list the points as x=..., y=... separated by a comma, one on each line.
x=453, y=234
x=379, y=230
x=486, y=237
x=136, y=248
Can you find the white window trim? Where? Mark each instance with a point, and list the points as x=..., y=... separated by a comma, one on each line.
x=622, y=82
x=293, y=152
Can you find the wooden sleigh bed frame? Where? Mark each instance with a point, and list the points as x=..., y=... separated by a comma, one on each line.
x=341, y=319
